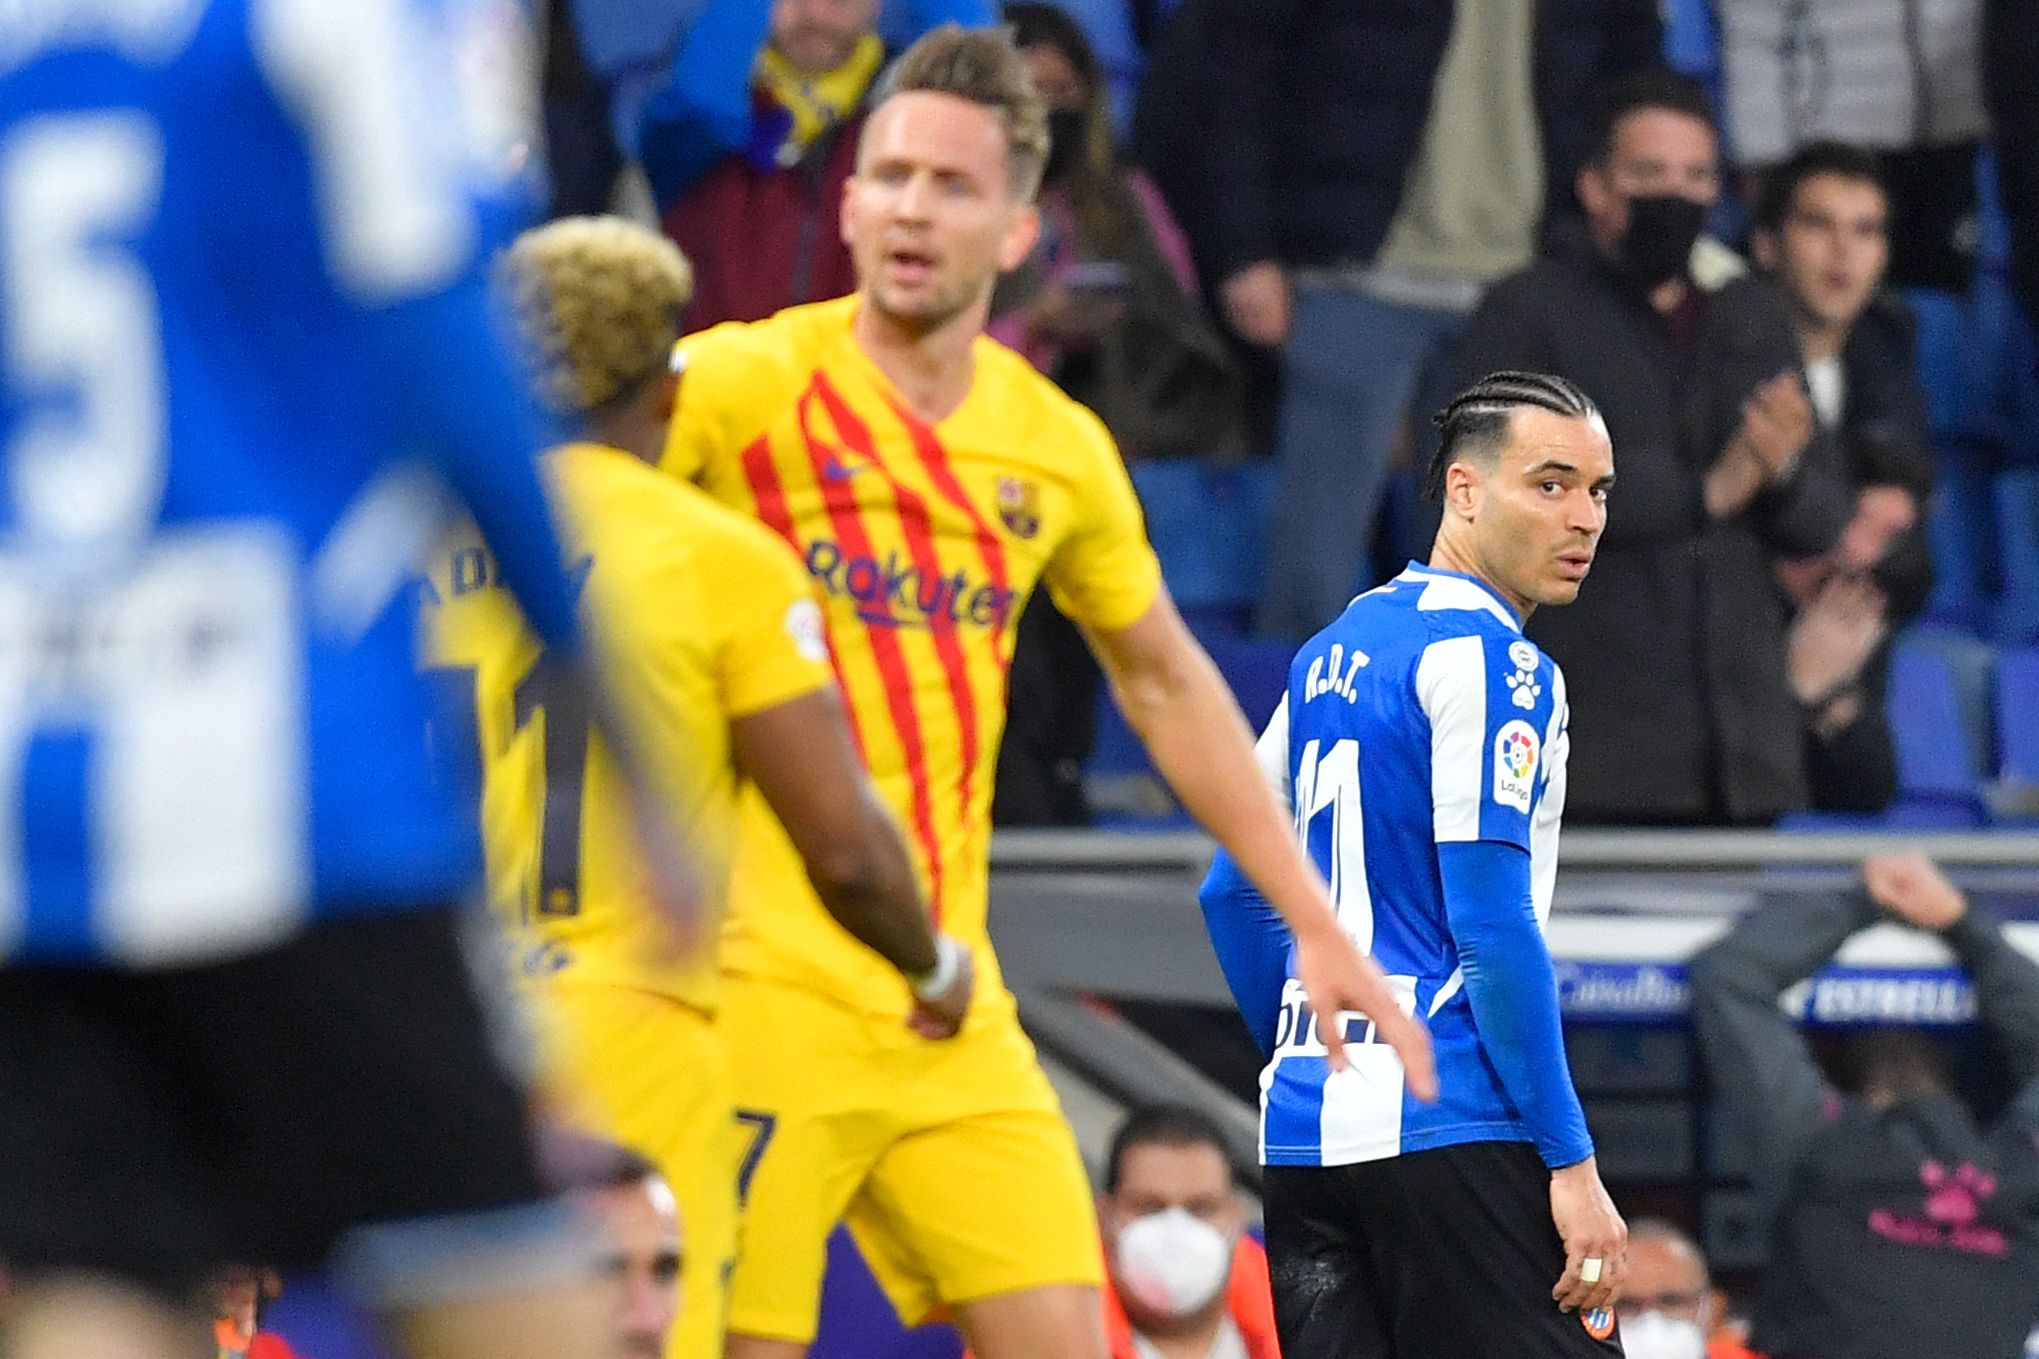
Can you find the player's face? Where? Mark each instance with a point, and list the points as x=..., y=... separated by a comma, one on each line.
x=1832, y=249
x=641, y=1270
x=930, y=215
x=1538, y=514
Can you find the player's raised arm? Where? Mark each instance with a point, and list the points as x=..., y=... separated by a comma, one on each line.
x=802, y=759
x=1174, y=697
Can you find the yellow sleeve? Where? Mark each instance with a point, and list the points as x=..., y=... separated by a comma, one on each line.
x=774, y=644
x=727, y=377
x=1104, y=574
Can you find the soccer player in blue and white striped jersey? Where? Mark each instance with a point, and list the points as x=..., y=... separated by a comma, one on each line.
x=1422, y=741
x=243, y=322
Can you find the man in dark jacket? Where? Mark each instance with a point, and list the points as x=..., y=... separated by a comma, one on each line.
x=1352, y=177
x=1900, y=1226
x=1823, y=237
x=1674, y=653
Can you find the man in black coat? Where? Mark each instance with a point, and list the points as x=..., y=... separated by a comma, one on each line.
x=1901, y=1224
x=1674, y=654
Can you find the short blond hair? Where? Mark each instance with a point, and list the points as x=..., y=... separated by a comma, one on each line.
x=598, y=301
x=983, y=66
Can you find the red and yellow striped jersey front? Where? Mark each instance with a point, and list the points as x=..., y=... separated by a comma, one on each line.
x=925, y=542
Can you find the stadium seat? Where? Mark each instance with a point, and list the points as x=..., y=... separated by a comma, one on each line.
x=1961, y=532
x=1936, y=762
x=2017, y=703
x=2015, y=497
x=1208, y=524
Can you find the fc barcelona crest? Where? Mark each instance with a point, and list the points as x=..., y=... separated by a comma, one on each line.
x=1019, y=506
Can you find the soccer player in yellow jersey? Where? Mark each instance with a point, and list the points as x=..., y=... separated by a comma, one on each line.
x=717, y=652
x=930, y=479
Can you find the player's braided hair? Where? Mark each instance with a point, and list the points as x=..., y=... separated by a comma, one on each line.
x=1477, y=418
x=598, y=303
x=984, y=67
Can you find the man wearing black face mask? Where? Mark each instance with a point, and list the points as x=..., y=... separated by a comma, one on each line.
x=1681, y=712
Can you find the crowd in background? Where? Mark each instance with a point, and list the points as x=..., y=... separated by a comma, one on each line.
x=1287, y=230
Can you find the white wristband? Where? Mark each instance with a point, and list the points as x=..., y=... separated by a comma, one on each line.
x=948, y=963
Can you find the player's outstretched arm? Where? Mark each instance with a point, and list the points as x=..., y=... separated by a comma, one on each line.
x=800, y=756
x=1173, y=696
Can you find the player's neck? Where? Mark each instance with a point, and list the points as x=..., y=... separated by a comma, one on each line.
x=1448, y=555
x=932, y=369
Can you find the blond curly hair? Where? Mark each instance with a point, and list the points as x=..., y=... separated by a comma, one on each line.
x=598, y=303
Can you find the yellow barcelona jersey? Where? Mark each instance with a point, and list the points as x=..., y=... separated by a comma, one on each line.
x=703, y=618
x=925, y=542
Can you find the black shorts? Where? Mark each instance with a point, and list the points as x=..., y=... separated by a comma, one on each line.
x=154, y=1125
x=1445, y=1254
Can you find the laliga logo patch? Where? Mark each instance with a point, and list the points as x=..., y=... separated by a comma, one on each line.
x=1515, y=747
x=1599, y=1322
x=809, y=633
x=1523, y=690
x=1019, y=506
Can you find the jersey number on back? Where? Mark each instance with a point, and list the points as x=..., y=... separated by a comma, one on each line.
x=80, y=327
x=1333, y=831
x=541, y=697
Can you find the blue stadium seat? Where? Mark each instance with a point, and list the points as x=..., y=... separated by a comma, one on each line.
x=2015, y=494
x=2017, y=717
x=1961, y=531
x=1208, y=524
x=1936, y=762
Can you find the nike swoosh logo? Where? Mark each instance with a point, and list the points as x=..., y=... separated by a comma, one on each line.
x=837, y=470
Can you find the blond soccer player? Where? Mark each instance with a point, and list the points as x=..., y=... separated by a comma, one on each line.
x=716, y=645
x=930, y=480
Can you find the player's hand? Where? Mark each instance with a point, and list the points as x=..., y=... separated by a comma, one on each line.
x=1592, y=1230
x=1339, y=980
x=1777, y=424
x=941, y=1016
x=1256, y=303
x=1912, y=888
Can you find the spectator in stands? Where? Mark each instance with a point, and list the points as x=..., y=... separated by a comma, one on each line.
x=1822, y=235
x=758, y=213
x=1674, y=654
x=1904, y=81
x=640, y=1261
x=1372, y=169
x=1669, y=1308
x=1900, y=1225
x=1187, y=1282
x=1107, y=304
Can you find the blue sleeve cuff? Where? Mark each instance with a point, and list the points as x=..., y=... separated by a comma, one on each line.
x=1513, y=991
x=1252, y=944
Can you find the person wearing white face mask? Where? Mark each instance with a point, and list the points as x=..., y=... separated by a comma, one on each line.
x=1668, y=1307
x=1186, y=1282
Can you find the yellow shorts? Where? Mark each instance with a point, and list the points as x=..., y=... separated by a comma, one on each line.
x=950, y=1162
x=646, y=1071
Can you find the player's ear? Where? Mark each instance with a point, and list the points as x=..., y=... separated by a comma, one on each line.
x=1462, y=488
x=1020, y=237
